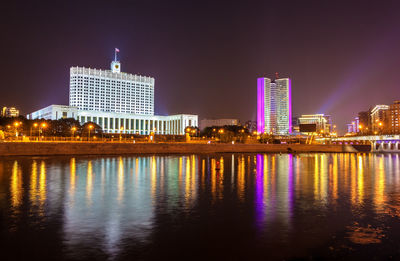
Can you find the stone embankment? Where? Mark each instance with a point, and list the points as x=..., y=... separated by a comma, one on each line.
x=92, y=148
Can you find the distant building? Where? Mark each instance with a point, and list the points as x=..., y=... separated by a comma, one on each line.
x=9, y=112
x=393, y=116
x=251, y=126
x=322, y=122
x=354, y=126
x=379, y=118
x=364, y=121
x=274, y=108
x=351, y=128
x=217, y=122
x=118, y=102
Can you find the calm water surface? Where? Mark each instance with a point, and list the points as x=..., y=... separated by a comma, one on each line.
x=255, y=207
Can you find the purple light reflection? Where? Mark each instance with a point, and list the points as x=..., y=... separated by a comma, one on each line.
x=259, y=204
x=290, y=185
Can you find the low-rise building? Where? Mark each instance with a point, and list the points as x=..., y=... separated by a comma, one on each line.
x=217, y=122
x=322, y=122
x=9, y=112
x=128, y=123
x=379, y=118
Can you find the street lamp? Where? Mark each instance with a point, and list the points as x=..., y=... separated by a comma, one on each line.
x=120, y=132
x=34, y=125
x=90, y=127
x=42, y=126
x=73, y=129
x=17, y=124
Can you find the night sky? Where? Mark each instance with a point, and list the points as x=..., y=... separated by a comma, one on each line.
x=342, y=56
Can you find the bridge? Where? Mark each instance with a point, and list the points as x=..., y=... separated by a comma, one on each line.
x=379, y=143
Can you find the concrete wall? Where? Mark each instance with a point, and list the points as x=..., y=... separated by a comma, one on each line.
x=83, y=148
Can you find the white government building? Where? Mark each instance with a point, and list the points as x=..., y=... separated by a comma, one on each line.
x=118, y=102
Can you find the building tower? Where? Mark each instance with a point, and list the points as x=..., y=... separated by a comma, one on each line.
x=111, y=90
x=274, y=108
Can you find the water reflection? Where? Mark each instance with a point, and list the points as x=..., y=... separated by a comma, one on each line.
x=16, y=186
x=104, y=202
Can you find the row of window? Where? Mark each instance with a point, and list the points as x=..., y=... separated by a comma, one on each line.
x=172, y=126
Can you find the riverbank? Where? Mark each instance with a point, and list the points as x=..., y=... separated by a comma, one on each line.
x=92, y=148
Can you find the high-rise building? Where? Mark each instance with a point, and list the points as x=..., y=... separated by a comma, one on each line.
x=111, y=90
x=9, y=112
x=393, y=115
x=274, y=109
x=118, y=102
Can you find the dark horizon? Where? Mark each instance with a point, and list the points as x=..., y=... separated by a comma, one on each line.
x=206, y=56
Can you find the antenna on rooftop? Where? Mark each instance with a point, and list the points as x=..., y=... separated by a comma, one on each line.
x=276, y=75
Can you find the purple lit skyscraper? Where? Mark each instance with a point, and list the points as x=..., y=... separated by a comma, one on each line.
x=260, y=105
x=274, y=106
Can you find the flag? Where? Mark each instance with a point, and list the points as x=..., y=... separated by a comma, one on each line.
x=117, y=50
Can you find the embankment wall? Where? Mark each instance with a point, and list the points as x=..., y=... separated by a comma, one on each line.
x=85, y=148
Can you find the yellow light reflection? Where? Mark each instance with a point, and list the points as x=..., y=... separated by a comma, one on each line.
x=380, y=185
x=241, y=177
x=33, y=185
x=335, y=177
x=121, y=178
x=353, y=179
x=316, y=178
x=360, y=179
x=323, y=178
x=72, y=176
x=16, y=185
x=89, y=182
x=203, y=173
x=42, y=183
x=213, y=177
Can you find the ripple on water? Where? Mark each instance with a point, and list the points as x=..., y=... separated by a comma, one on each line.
x=365, y=235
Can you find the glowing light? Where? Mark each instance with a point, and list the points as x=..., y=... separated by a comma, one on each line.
x=121, y=179
x=260, y=105
x=72, y=175
x=290, y=105
x=16, y=185
x=89, y=183
x=33, y=185
x=42, y=183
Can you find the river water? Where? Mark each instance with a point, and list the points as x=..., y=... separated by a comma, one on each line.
x=208, y=207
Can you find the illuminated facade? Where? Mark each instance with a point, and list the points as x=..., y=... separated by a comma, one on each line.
x=322, y=122
x=378, y=118
x=9, y=112
x=111, y=90
x=128, y=123
x=394, y=118
x=274, y=108
x=118, y=102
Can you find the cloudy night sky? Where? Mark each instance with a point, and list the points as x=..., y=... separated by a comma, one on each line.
x=342, y=56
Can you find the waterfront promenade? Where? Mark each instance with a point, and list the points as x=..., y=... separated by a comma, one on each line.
x=103, y=148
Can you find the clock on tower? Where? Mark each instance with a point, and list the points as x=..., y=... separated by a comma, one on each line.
x=115, y=67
